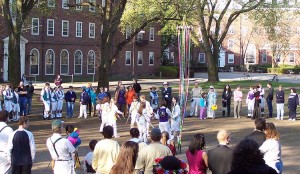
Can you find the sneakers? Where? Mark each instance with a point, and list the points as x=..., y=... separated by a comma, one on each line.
x=276, y=118
x=290, y=119
x=293, y=119
x=281, y=118
x=80, y=117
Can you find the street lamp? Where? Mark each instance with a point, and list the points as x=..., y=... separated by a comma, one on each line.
x=133, y=50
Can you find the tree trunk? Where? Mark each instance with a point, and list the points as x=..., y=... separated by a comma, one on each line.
x=212, y=62
x=104, y=67
x=14, y=68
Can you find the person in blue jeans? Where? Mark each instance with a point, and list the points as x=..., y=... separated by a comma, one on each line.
x=29, y=96
x=70, y=98
x=22, y=91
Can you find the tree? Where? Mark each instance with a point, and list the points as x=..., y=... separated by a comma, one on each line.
x=15, y=13
x=209, y=17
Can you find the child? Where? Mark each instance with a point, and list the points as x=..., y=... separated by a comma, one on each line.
x=89, y=158
x=73, y=135
x=142, y=121
x=84, y=101
x=175, y=118
x=293, y=102
x=112, y=116
x=8, y=96
x=250, y=101
x=93, y=101
x=133, y=111
x=153, y=98
x=164, y=113
x=148, y=109
x=165, y=140
x=202, y=103
x=54, y=99
x=60, y=101
x=45, y=98
x=15, y=105
x=105, y=109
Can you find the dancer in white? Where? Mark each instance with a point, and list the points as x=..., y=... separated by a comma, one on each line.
x=164, y=113
x=133, y=111
x=175, y=118
x=105, y=109
x=250, y=101
x=15, y=105
x=148, y=109
x=262, y=100
x=142, y=121
x=54, y=99
x=60, y=101
x=45, y=98
x=8, y=96
x=112, y=117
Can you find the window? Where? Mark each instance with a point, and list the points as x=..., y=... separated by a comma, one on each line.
x=151, y=58
x=128, y=58
x=230, y=58
x=91, y=62
x=64, y=62
x=65, y=4
x=151, y=34
x=264, y=57
x=139, y=36
x=230, y=44
x=51, y=3
x=277, y=58
x=128, y=32
x=91, y=30
x=291, y=57
x=50, y=59
x=140, y=58
x=78, y=29
x=78, y=62
x=201, y=58
x=172, y=57
x=35, y=26
x=231, y=30
x=65, y=28
x=92, y=7
x=78, y=5
x=34, y=62
x=103, y=3
x=250, y=55
x=50, y=27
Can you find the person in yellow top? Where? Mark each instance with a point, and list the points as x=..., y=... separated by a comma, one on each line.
x=106, y=152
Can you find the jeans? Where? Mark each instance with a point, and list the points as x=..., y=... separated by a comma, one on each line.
x=29, y=100
x=270, y=107
x=279, y=166
x=237, y=105
x=23, y=103
x=195, y=107
x=70, y=108
x=280, y=110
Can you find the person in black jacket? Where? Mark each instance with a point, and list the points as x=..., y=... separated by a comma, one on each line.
x=137, y=87
x=84, y=101
x=280, y=103
x=270, y=99
x=220, y=157
x=29, y=97
x=166, y=93
x=226, y=99
x=293, y=102
x=247, y=159
x=257, y=101
x=258, y=134
x=70, y=98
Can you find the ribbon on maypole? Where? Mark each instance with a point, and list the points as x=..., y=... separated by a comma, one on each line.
x=184, y=57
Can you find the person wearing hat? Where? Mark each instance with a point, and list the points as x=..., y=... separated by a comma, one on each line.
x=84, y=101
x=153, y=98
x=45, y=98
x=211, y=101
x=196, y=95
x=166, y=93
x=29, y=96
x=146, y=157
x=61, y=150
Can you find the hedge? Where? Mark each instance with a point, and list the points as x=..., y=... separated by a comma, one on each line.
x=169, y=71
x=281, y=70
x=264, y=68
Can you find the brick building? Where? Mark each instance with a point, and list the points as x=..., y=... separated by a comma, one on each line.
x=65, y=40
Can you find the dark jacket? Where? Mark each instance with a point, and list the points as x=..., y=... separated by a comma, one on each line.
x=258, y=136
x=280, y=96
x=69, y=95
x=84, y=98
x=30, y=91
x=255, y=169
x=270, y=93
x=166, y=94
x=137, y=87
x=219, y=159
x=293, y=101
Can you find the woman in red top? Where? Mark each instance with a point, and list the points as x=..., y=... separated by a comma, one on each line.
x=129, y=96
x=170, y=143
x=196, y=156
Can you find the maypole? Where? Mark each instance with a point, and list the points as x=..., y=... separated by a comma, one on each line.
x=184, y=56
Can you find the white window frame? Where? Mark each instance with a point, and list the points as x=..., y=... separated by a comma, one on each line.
x=199, y=60
x=230, y=42
x=151, y=54
x=78, y=64
x=90, y=25
x=68, y=64
x=151, y=34
x=92, y=8
x=62, y=28
x=78, y=7
x=78, y=29
x=53, y=69
x=294, y=56
x=103, y=3
x=229, y=58
x=127, y=32
x=140, y=56
x=88, y=61
x=33, y=27
x=139, y=36
x=48, y=21
x=38, y=61
x=49, y=5
x=64, y=2
x=126, y=53
x=277, y=56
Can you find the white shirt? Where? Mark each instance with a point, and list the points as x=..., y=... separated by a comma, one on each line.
x=4, y=135
x=196, y=92
x=272, y=152
x=140, y=143
x=175, y=111
x=89, y=158
x=48, y=94
x=63, y=147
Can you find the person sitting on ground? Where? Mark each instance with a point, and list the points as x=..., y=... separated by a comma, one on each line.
x=135, y=134
x=89, y=158
x=169, y=164
x=127, y=158
x=73, y=135
x=165, y=140
x=254, y=163
x=258, y=134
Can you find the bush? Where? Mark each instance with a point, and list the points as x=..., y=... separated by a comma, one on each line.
x=263, y=68
x=169, y=71
x=200, y=67
x=284, y=70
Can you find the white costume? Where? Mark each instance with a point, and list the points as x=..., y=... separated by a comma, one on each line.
x=133, y=111
x=54, y=99
x=105, y=108
x=60, y=101
x=164, y=114
x=112, y=119
x=16, y=106
x=142, y=122
x=45, y=98
x=8, y=95
x=175, y=118
x=63, y=155
x=149, y=110
x=5, y=131
x=250, y=102
x=262, y=100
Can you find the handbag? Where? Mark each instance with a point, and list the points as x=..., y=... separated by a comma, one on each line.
x=77, y=161
x=214, y=107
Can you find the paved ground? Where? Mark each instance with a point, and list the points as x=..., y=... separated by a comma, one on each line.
x=239, y=127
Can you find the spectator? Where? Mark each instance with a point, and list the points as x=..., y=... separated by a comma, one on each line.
x=250, y=100
x=254, y=162
x=84, y=101
x=8, y=96
x=119, y=85
x=23, y=79
x=5, y=131
x=22, y=91
x=166, y=93
x=135, y=134
x=58, y=81
x=15, y=105
x=94, y=102
x=196, y=157
x=226, y=100
x=129, y=96
x=211, y=101
x=262, y=99
x=237, y=98
x=220, y=157
x=107, y=92
x=203, y=106
x=89, y=158
x=271, y=148
x=106, y=152
x=89, y=90
x=29, y=97
x=21, y=148
x=70, y=98
x=165, y=140
x=120, y=98
x=293, y=102
x=137, y=87
x=169, y=164
x=73, y=135
x=196, y=94
x=60, y=101
x=45, y=98
x=258, y=134
x=149, y=153
x=61, y=150
x=257, y=101
x=280, y=103
x=269, y=99
x=101, y=94
x=127, y=158
x=153, y=98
